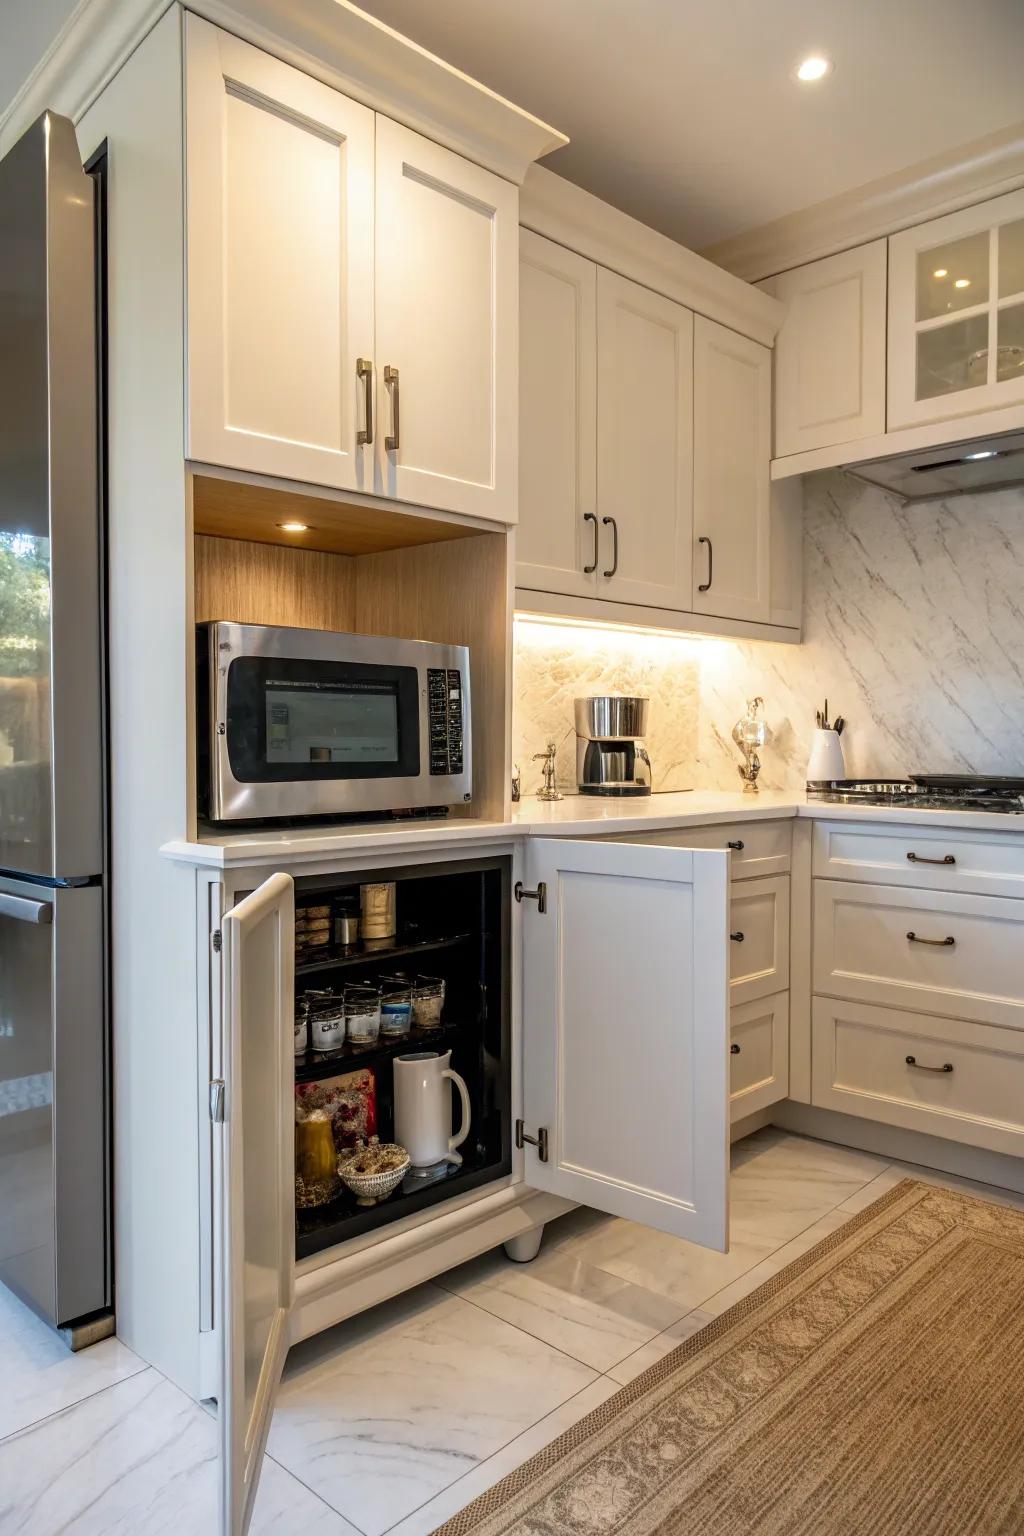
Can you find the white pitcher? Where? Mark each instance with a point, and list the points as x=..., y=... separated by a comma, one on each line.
x=423, y=1108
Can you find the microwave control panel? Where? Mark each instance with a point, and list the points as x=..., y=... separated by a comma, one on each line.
x=444, y=714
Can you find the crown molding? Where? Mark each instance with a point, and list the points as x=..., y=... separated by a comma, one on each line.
x=974, y=172
x=563, y=212
x=331, y=40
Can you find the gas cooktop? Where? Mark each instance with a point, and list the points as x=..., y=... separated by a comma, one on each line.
x=924, y=791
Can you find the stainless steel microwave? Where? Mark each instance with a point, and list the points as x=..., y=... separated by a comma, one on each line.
x=303, y=722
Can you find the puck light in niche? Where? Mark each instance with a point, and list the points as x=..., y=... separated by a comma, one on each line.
x=292, y=527
x=815, y=67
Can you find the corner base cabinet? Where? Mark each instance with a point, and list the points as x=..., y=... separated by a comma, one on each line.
x=580, y=993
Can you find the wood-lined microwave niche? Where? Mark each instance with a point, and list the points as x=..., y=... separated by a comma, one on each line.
x=453, y=588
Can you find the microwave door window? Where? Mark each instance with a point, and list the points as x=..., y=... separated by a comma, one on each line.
x=331, y=726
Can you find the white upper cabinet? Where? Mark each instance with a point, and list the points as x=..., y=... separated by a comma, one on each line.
x=256, y=1115
x=557, y=536
x=731, y=465
x=956, y=314
x=626, y=1031
x=830, y=351
x=447, y=241
x=279, y=179
x=644, y=445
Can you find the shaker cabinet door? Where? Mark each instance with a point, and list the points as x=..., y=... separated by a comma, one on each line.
x=279, y=216
x=557, y=545
x=447, y=282
x=644, y=445
x=626, y=1031
x=732, y=402
x=256, y=1183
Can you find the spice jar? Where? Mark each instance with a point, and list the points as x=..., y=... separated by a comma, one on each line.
x=427, y=1002
x=395, y=1010
x=362, y=1014
x=326, y=1021
x=378, y=913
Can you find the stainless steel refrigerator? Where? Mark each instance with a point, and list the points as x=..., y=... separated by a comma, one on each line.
x=55, y=1248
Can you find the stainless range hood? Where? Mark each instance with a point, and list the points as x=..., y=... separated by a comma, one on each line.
x=953, y=469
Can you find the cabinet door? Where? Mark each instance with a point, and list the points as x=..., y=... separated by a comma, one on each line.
x=732, y=402
x=447, y=281
x=956, y=313
x=279, y=197
x=644, y=444
x=830, y=351
x=257, y=1188
x=557, y=535
x=626, y=1031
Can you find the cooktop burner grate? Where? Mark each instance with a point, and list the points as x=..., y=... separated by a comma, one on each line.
x=924, y=791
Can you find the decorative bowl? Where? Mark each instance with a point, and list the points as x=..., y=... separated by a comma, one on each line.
x=373, y=1172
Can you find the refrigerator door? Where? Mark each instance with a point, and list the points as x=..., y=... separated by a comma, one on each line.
x=51, y=731
x=53, y=1154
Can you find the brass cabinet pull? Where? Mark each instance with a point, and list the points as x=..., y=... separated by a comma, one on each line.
x=364, y=371
x=391, y=381
x=615, y=544
x=705, y=586
x=737, y=846
x=945, y=943
x=734, y=1049
x=736, y=937
x=917, y=858
x=912, y=1061
x=591, y=517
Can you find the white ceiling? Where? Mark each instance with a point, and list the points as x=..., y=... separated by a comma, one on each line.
x=684, y=113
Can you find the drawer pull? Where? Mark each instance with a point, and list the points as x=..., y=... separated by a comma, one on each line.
x=737, y=937
x=734, y=1049
x=918, y=858
x=737, y=846
x=945, y=943
x=912, y=1061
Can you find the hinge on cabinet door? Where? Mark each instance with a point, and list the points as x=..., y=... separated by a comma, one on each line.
x=540, y=895
x=540, y=1141
x=217, y=940
x=217, y=1101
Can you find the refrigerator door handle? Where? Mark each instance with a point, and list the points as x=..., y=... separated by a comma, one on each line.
x=25, y=911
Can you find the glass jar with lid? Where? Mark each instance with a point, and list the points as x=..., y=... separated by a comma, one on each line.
x=395, y=1007
x=362, y=1013
x=326, y=1020
x=427, y=1003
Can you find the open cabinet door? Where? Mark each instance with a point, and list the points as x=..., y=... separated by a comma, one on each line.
x=626, y=1031
x=257, y=1193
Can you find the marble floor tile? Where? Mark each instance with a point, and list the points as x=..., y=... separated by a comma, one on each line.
x=894, y=1172
x=657, y=1348
x=138, y=1459
x=456, y=1496
x=40, y=1375
x=382, y=1413
x=768, y=1268
x=589, y=1313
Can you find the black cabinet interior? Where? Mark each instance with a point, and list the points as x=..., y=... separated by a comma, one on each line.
x=453, y=921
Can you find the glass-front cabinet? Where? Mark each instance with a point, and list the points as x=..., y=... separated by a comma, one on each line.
x=956, y=314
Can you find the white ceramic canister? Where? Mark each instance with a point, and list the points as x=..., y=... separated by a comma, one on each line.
x=826, y=760
x=423, y=1108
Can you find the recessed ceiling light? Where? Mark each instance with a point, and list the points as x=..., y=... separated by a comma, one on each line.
x=941, y=272
x=813, y=68
x=986, y=453
x=962, y=282
x=294, y=527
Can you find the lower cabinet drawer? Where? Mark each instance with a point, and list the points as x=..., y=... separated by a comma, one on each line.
x=758, y=938
x=947, y=1077
x=943, y=952
x=759, y=1054
x=757, y=847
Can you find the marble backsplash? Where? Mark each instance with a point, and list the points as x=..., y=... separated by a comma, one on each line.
x=913, y=630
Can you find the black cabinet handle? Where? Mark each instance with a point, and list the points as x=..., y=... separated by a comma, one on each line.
x=615, y=544
x=590, y=517
x=939, y=943
x=737, y=937
x=912, y=1061
x=734, y=1049
x=737, y=846
x=917, y=858
x=705, y=586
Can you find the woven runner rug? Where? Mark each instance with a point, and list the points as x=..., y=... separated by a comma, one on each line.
x=875, y=1387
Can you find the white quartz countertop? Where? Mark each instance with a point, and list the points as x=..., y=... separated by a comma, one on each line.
x=574, y=816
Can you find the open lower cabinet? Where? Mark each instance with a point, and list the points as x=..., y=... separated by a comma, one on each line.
x=584, y=1001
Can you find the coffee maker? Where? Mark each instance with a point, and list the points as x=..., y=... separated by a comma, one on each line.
x=611, y=758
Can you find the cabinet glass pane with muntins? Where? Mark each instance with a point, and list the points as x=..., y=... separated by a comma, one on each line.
x=1010, y=356
x=1011, y=259
x=952, y=277
x=952, y=357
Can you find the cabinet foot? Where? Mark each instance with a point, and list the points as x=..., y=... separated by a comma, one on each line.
x=526, y=1246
